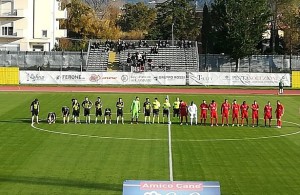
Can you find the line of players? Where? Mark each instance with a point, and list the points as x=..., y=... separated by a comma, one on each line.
x=243, y=111
x=180, y=110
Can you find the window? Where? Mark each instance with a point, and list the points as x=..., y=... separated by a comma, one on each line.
x=7, y=30
x=44, y=33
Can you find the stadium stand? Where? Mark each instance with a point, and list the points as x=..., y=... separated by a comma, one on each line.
x=167, y=59
x=156, y=57
x=97, y=59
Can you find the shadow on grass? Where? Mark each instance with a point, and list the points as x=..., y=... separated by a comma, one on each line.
x=50, y=181
x=17, y=120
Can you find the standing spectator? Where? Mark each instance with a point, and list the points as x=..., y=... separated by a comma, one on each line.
x=255, y=108
x=203, y=114
x=225, y=108
x=35, y=109
x=279, y=113
x=244, y=113
x=213, y=113
x=268, y=113
x=235, y=112
x=280, y=87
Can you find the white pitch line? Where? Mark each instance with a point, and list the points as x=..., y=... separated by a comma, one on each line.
x=96, y=136
x=246, y=138
x=176, y=140
x=170, y=147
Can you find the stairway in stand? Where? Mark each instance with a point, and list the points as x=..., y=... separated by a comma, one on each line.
x=113, y=61
x=97, y=60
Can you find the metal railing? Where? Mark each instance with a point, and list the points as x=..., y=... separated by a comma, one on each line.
x=49, y=61
x=255, y=63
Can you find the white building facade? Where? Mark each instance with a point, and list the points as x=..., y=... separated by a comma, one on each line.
x=30, y=25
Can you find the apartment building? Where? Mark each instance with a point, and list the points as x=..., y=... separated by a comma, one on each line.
x=30, y=25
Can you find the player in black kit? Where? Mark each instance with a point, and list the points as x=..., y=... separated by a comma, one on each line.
x=98, y=106
x=65, y=111
x=76, y=111
x=120, y=106
x=87, y=105
x=51, y=117
x=107, y=114
x=35, y=109
x=147, y=110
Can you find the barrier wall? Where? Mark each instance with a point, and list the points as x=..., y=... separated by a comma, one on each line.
x=102, y=78
x=154, y=78
x=239, y=79
x=9, y=75
x=295, y=79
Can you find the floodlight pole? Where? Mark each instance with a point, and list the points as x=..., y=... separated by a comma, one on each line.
x=173, y=34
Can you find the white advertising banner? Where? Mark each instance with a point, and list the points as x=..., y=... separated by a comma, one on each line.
x=103, y=78
x=238, y=79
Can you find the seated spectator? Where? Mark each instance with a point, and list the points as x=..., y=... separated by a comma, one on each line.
x=144, y=58
x=150, y=63
x=156, y=49
x=98, y=46
x=167, y=43
x=152, y=50
x=146, y=44
x=133, y=60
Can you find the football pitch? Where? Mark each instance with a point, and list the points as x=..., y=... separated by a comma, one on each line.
x=97, y=158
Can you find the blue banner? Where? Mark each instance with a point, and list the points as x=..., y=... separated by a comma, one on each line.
x=137, y=187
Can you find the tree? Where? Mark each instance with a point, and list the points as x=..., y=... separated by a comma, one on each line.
x=83, y=23
x=206, y=31
x=238, y=26
x=96, y=5
x=287, y=17
x=136, y=17
x=179, y=14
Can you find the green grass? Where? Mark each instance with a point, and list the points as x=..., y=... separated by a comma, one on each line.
x=38, y=162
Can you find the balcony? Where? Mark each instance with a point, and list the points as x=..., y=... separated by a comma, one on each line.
x=17, y=34
x=60, y=33
x=61, y=14
x=12, y=14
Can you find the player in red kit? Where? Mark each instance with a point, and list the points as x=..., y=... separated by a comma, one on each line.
x=213, y=113
x=183, y=112
x=244, y=113
x=203, y=114
x=268, y=113
x=235, y=112
x=254, y=108
x=279, y=113
x=225, y=107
